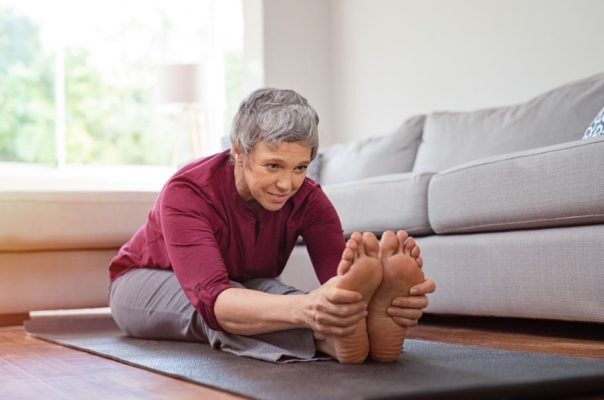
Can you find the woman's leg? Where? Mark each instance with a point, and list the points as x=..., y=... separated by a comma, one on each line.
x=150, y=304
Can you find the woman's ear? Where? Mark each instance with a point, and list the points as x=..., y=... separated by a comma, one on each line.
x=236, y=154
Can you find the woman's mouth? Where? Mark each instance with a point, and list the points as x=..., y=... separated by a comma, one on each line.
x=277, y=198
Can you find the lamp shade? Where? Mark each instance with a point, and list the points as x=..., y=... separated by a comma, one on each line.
x=179, y=83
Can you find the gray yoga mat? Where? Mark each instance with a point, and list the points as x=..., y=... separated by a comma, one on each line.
x=424, y=370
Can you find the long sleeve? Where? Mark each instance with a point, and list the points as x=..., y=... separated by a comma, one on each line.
x=187, y=220
x=323, y=236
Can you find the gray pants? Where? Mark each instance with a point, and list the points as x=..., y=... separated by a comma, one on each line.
x=150, y=304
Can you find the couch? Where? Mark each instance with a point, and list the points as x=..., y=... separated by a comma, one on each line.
x=55, y=246
x=507, y=205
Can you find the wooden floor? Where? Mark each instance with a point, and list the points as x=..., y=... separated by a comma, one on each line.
x=32, y=368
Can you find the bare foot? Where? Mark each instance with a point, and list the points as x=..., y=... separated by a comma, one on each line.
x=360, y=270
x=401, y=263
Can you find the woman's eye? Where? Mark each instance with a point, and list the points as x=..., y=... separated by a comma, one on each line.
x=301, y=168
x=272, y=167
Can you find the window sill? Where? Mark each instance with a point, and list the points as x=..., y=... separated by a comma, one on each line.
x=29, y=177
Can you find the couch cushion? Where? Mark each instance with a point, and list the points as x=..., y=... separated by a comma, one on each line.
x=551, y=273
x=396, y=201
x=551, y=186
x=70, y=220
x=560, y=115
x=383, y=155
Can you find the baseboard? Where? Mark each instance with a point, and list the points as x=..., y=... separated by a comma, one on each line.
x=13, y=319
x=542, y=327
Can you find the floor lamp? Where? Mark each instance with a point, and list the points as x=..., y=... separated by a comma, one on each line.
x=179, y=85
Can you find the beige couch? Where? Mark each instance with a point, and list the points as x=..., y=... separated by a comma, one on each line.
x=55, y=247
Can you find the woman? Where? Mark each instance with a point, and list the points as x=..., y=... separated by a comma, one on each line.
x=204, y=265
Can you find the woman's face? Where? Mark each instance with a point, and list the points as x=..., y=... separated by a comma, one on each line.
x=271, y=175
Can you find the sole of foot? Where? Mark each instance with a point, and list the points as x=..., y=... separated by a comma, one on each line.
x=360, y=270
x=401, y=264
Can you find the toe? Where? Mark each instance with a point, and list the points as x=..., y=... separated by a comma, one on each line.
x=372, y=246
x=352, y=244
x=420, y=261
x=360, y=238
x=348, y=254
x=388, y=244
x=415, y=252
x=356, y=243
x=356, y=236
x=409, y=245
x=346, y=262
x=402, y=236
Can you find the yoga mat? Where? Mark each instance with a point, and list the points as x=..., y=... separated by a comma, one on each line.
x=424, y=370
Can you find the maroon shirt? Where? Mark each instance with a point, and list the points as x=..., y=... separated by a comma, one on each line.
x=202, y=229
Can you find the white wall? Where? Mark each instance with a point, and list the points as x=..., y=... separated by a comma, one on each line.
x=297, y=53
x=395, y=58
x=367, y=65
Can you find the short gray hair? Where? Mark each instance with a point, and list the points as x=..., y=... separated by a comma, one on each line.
x=273, y=116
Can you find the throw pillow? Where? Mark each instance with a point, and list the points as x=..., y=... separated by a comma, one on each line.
x=596, y=128
x=375, y=156
x=558, y=116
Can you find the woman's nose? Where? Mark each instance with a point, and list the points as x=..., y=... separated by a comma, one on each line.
x=285, y=181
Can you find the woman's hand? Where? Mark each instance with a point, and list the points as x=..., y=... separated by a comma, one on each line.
x=332, y=311
x=406, y=311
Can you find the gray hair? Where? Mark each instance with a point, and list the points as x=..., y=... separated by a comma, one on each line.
x=273, y=116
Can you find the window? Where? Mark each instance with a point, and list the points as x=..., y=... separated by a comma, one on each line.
x=78, y=78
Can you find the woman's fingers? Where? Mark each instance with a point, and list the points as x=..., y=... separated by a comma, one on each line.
x=334, y=311
x=336, y=295
x=404, y=322
x=426, y=287
x=405, y=313
x=418, y=302
x=327, y=324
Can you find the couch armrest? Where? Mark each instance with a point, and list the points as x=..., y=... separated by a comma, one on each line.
x=60, y=220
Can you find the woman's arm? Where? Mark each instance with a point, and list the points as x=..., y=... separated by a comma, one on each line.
x=326, y=310
x=187, y=225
